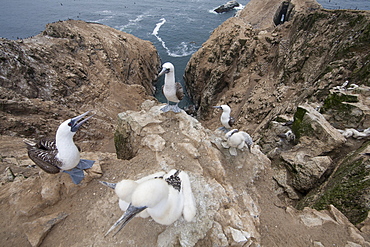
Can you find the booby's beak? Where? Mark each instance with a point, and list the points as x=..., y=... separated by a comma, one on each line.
x=164, y=70
x=125, y=218
x=219, y=107
x=110, y=185
x=75, y=125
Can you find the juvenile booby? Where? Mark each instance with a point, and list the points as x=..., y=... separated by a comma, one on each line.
x=172, y=90
x=162, y=196
x=61, y=154
x=237, y=139
x=226, y=120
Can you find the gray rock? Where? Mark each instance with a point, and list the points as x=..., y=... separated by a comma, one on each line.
x=227, y=7
x=37, y=230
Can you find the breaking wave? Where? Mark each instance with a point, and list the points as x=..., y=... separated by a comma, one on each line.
x=182, y=50
x=132, y=23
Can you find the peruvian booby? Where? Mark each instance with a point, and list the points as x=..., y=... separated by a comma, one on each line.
x=164, y=197
x=172, y=90
x=226, y=120
x=61, y=154
x=237, y=139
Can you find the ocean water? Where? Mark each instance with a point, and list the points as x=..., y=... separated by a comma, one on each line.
x=177, y=28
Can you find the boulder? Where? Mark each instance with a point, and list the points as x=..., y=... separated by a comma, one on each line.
x=306, y=161
x=37, y=230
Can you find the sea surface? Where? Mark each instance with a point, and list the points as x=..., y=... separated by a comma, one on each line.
x=177, y=28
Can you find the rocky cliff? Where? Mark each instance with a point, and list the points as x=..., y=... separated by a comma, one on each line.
x=267, y=70
x=304, y=100
x=71, y=67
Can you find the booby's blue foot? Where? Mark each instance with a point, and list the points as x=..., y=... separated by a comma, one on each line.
x=76, y=175
x=233, y=151
x=224, y=129
x=166, y=108
x=85, y=164
x=175, y=109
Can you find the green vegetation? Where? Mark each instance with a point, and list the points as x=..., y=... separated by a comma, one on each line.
x=300, y=127
x=335, y=101
x=347, y=189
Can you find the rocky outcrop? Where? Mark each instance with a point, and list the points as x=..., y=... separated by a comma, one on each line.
x=307, y=161
x=71, y=67
x=229, y=190
x=227, y=7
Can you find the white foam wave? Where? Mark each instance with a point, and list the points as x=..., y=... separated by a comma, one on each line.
x=106, y=16
x=132, y=22
x=240, y=7
x=182, y=50
x=158, y=26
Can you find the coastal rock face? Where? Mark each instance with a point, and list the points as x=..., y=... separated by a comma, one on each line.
x=263, y=70
x=266, y=73
x=69, y=68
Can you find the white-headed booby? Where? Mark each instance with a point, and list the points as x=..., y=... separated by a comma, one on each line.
x=226, y=120
x=172, y=90
x=61, y=154
x=162, y=196
x=237, y=139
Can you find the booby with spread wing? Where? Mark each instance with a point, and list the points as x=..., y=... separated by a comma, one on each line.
x=172, y=90
x=164, y=197
x=226, y=120
x=237, y=139
x=61, y=153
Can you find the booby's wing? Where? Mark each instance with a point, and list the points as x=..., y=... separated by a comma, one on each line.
x=44, y=144
x=43, y=153
x=247, y=139
x=45, y=159
x=47, y=144
x=190, y=209
x=179, y=91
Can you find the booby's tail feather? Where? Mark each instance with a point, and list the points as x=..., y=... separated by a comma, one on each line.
x=30, y=143
x=224, y=129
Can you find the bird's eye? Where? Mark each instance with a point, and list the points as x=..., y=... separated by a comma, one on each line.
x=167, y=70
x=70, y=124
